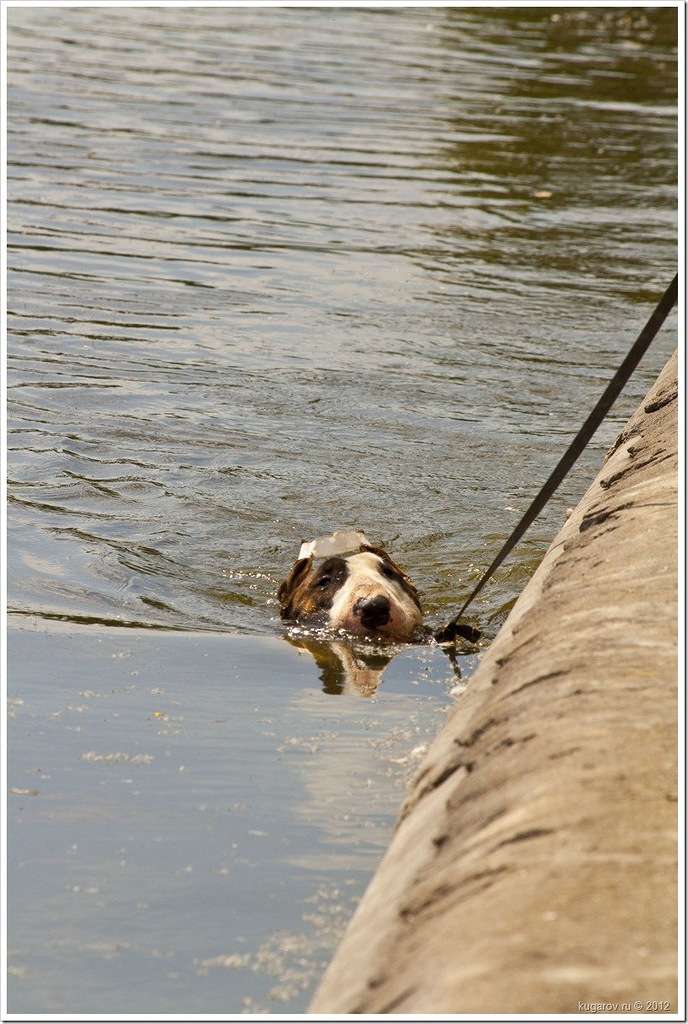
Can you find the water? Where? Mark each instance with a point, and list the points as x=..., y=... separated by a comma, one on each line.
x=274, y=272
x=192, y=819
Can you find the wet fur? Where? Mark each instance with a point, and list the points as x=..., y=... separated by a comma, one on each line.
x=351, y=593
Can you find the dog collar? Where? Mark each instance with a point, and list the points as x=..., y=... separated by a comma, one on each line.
x=339, y=543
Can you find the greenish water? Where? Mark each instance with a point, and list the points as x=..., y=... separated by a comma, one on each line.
x=274, y=272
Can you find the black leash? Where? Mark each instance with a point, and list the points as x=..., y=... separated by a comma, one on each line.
x=454, y=628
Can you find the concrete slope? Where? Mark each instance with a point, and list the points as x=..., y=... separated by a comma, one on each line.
x=534, y=865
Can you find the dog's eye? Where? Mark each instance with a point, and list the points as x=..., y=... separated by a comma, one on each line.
x=388, y=571
x=323, y=582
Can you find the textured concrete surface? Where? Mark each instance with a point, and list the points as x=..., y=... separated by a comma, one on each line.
x=534, y=865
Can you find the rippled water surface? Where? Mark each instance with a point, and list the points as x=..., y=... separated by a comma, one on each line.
x=273, y=272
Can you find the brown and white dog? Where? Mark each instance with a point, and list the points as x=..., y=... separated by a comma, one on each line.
x=364, y=593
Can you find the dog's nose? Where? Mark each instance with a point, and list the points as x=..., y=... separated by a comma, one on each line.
x=374, y=611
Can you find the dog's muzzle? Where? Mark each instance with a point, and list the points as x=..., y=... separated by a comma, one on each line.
x=373, y=612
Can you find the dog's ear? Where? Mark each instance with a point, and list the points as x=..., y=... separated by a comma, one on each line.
x=386, y=558
x=376, y=551
x=299, y=571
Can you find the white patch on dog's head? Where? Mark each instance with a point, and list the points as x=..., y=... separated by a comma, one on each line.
x=366, y=594
x=375, y=600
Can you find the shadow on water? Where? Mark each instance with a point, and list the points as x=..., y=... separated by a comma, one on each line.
x=273, y=272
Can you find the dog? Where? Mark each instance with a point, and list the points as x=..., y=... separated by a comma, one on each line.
x=345, y=584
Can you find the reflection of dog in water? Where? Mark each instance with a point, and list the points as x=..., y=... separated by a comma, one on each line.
x=343, y=583
x=346, y=667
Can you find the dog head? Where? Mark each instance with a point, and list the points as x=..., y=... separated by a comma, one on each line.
x=365, y=593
